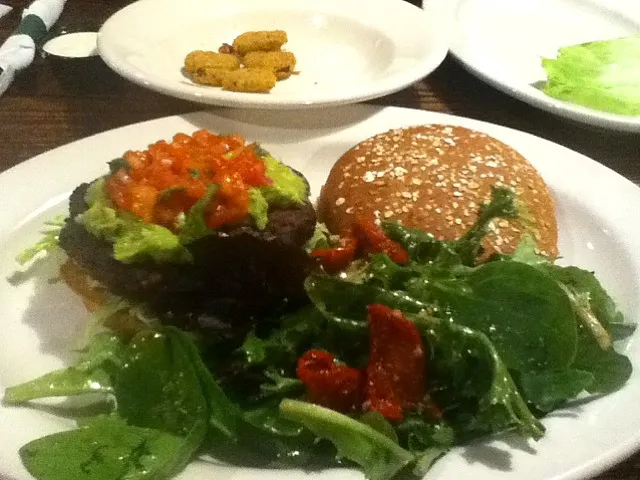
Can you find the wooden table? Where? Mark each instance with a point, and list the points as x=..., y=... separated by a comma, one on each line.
x=40, y=112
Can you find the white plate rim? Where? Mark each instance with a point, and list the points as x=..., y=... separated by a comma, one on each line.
x=431, y=21
x=556, y=107
x=10, y=179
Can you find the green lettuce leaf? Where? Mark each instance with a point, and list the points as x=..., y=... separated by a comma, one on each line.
x=48, y=242
x=604, y=75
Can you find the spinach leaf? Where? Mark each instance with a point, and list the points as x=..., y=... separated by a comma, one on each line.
x=379, y=456
x=610, y=369
x=93, y=373
x=107, y=449
x=223, y=415
x=523, y=312
x=592, y=303
x=158, y=386
x=194, y=226
x=548, y=390
x=471, y=382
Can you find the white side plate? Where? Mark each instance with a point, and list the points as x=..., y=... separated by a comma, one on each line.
x=503, y=42
x=347, y=51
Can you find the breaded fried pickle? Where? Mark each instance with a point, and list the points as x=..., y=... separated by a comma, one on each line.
x=282, y=63
x=255, y=80
x=259, y=41
x=199, y=59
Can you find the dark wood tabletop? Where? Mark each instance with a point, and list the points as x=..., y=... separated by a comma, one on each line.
x=42, y=110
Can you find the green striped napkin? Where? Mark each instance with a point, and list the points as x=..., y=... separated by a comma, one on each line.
x=18, y=51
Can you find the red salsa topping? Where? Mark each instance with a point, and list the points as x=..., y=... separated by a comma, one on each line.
x=167, y=179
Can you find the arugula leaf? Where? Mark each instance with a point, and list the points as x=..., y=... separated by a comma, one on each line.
x=469, y=378
x=502, y=205
x=428, y=440
x=549, y=389
x=93, y=373
x=379, y=456
x=194, y=226
x=47, y=243
x=280, y=385
x=344, y=303
x=158, y=386
x=319, y=239
x=106, y=448
x=521, y=310
x=283, y=344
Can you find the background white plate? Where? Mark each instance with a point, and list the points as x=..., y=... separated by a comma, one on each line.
x=38, y=318
x=347, y=51
x=503, y=41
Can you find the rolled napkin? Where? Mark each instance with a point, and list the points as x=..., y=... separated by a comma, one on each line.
x=19, y=50
x=4, y=9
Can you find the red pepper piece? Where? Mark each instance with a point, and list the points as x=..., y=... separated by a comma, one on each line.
x=334, y=386
x=396, y=369
x=335, y=259
x=374, y=240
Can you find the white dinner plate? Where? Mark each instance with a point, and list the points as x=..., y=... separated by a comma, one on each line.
x=503, y=42
x=347, y=51
x=595, y=211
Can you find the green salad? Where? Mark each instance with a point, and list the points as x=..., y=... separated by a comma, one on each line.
x=499, y=344
x=604, y=75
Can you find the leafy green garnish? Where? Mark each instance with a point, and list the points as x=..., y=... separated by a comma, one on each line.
x=93, y=373
x=194, y=226
x=48, y=242
x=106, y=448
x=604, y=75
x=378, y=455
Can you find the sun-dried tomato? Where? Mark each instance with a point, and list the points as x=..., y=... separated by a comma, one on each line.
x=335, y=259
x=329, y=384
x=373, y=240
x=396, y=368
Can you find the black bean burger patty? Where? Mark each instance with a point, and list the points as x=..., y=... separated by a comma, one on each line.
x=238, y=272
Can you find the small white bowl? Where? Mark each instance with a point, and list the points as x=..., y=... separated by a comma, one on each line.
x=347, y=50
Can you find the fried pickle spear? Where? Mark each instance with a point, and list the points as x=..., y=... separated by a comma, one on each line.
x=253, y=80
x=259, y=41
x=201, y=59
x=210, y=68
x=282, y=63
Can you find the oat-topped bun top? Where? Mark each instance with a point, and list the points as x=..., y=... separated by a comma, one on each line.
x=435, y=177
